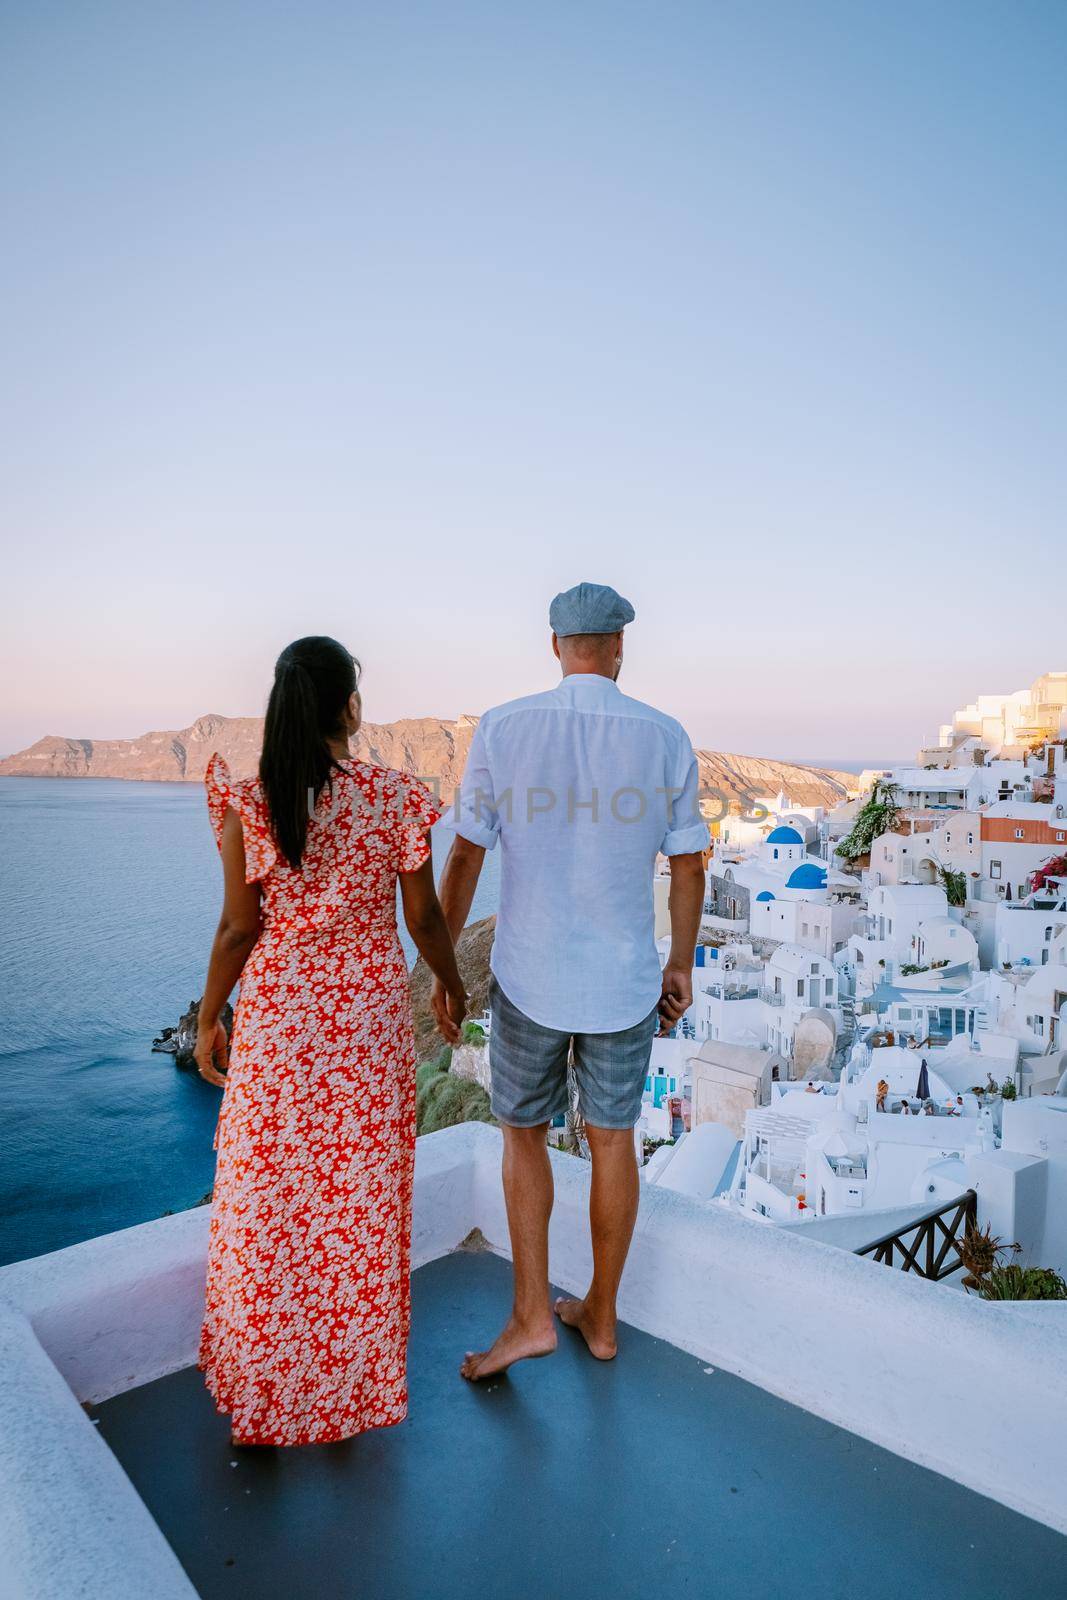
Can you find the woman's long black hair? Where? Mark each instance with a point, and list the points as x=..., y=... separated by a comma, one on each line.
x=313, y=680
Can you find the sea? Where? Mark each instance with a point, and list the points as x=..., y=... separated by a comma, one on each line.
x=110, y=892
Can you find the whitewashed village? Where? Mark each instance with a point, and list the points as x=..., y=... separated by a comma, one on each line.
x=876, y=1035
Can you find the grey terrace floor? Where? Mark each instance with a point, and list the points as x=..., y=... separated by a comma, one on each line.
x=569, y=1478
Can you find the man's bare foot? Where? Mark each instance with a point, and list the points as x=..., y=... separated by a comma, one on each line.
x=599, y=1336
x=517, y=1342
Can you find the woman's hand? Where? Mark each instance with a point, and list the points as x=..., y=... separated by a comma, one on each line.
x=212, y=1053
x=449, y=1007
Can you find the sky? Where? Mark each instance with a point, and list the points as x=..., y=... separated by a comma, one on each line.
x=391, y=320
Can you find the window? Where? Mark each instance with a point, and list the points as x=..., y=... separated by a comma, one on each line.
x=1020, y=833
x=994, y=869
x=800, y=988
x=942, y=798
x=1061, y=836
x=948, y=838
x=829, y=986
x=970, y=838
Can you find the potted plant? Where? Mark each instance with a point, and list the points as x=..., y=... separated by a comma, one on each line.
x=979, y=1252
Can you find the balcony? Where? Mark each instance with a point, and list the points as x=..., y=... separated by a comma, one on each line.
x=738, y=990
x=565, y=1477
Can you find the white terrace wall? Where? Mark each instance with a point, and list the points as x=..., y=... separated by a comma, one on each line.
x=971, y=1389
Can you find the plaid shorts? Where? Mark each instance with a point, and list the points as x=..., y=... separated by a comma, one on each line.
x=528, y=1065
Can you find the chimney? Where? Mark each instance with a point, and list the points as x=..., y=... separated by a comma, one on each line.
x=979, y=757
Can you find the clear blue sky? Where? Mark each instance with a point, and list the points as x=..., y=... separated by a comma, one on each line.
x=389, y=320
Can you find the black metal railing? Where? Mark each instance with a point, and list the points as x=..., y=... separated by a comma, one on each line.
x=934, y=1248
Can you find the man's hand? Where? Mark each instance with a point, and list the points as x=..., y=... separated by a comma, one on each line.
x=676, y=996
x=449, y=1008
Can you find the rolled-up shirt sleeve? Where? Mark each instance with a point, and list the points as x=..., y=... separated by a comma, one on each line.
x=476, y=817
x=687, y=832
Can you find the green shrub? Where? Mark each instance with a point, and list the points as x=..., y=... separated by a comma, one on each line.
x=1012, y=1282
x=443, y=1101
x=955, y=886
x=879, y=815
x=432, y=1067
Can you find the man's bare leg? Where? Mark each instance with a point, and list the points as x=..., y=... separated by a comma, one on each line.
x=613, y=1196
x=530, y=1330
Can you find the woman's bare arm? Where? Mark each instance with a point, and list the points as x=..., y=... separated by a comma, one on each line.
x=426, y=924
x=237, y=932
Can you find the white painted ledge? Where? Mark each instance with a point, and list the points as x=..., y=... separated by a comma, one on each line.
x=973, y=1390
x=125, y=1309
x=71, y=1523
x=105, y=1316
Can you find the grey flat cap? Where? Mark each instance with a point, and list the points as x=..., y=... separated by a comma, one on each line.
x=589, y=608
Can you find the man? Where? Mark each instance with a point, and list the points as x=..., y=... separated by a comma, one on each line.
x=582, y=787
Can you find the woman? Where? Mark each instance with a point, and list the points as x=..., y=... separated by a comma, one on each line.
x=305, y=1333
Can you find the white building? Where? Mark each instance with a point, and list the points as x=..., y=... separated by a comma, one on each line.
x=767, y=812
x=781, y=891
x=943, y=942
x=665, y=1087
x=1015, y=721
x=740, y=999
x=903, y=858
x=956, y=842
x=833, y=1154
x=1026, y=931
x=894, y=915
x=938, y=789
x=1032, y=1008
x=1016, y=839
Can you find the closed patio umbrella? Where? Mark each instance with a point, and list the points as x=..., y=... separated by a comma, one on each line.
x=922, y=1088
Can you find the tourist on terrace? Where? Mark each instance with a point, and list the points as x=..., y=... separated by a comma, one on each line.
x=582, y=787
x=308, y=1302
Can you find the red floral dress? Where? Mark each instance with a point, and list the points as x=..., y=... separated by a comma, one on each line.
x=306, y=1325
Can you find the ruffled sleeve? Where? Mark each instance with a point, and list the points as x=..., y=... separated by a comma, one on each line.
x=222, y=793
x=419, y=812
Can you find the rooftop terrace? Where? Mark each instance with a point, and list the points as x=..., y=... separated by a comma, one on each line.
x=569, y=1476
x=802, y=1459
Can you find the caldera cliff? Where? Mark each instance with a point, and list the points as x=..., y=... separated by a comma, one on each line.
x=434, y=748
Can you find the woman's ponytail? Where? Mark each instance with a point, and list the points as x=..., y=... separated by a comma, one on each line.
x=313, y=681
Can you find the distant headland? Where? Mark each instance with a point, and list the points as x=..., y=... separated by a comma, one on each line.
x=433, y=747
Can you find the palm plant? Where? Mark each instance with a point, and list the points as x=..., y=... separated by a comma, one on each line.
x=880, y=814
x=954, y=885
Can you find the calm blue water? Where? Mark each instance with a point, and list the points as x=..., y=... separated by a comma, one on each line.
x=110, y=894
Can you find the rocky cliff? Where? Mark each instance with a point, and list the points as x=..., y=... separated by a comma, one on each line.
x=742, y=777
x=432, y=747
x=429, y=746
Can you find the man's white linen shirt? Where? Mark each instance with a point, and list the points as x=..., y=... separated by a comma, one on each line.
x=583, y=787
